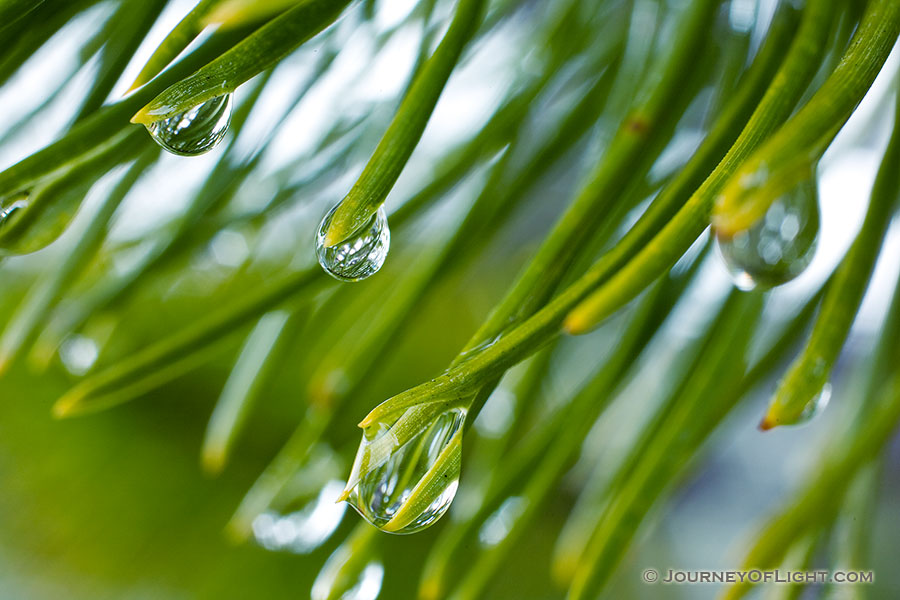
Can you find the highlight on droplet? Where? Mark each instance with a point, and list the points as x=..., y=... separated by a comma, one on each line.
x=195, y=131
x=779, y=246
x=361, y=255
x=415, y=484
x=7, y=210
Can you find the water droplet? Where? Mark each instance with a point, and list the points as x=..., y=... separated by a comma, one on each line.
x=304, y=530
x=367, y=587
x=350, y=573
x=474, y=351
x=816, y=406
x=361, y=255
x=414, y=487
x=780, y=245
x=7, y=210
x=195, y=131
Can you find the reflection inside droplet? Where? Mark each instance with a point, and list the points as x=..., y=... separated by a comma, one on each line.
x=304, y=530
x=779, y=246
x=415, y=486
x=195, y=131
x=361, y=255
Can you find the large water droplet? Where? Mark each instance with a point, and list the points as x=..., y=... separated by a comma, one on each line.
x=417, y=483
x=780, y=245
x=361, y=255
x=195, y=131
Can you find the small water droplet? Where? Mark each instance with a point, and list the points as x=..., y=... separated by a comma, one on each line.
x=474, y=351
x=816, y=406
x=415, y=486
x=361, y=255
x=195, y=131
x=304, y=530
x=779, y=246
x=330, y=581
x=7, y=210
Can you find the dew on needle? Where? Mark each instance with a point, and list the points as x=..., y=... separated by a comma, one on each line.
x=414, y=487
x=195, y=131
x=779, y=246
x=361, y=255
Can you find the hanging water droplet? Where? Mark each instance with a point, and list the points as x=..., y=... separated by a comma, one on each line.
x=816, y=406
x=780, y=245
x=195, y=131
x=361, y=255
x=414, y=487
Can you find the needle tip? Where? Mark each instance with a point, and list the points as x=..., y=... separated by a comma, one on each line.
x=767, y=423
